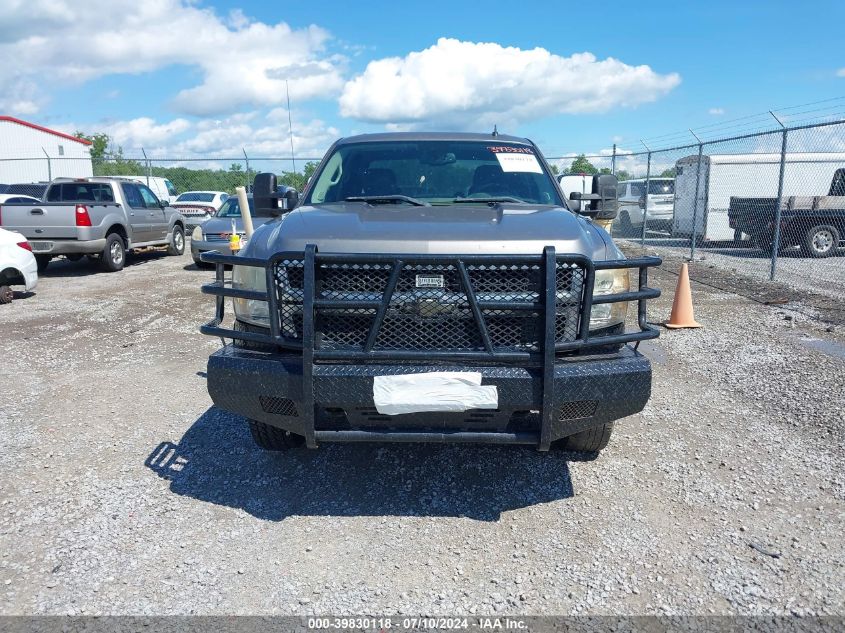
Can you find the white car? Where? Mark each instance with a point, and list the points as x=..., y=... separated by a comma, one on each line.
x=13, y=198
x=199, y=206
x=17, y=264
x=659, y=205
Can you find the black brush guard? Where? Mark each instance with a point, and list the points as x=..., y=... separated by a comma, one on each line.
x=315, y=303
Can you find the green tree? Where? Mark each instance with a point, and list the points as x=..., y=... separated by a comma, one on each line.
x=581, y=166
x=621, y=174
x=296, y=179
x=555, y=169
x=668, y=173
x=99, y=143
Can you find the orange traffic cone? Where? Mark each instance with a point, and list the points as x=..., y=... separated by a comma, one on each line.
x=682, y=315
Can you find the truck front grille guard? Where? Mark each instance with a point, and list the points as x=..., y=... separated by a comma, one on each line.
x=554, y=309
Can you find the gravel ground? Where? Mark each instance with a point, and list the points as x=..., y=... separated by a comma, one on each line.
x=824, y=275
x=125, y=492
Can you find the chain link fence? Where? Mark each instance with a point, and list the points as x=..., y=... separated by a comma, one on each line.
x=769, y=205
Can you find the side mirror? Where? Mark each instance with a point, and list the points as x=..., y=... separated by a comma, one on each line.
x=264, y=193
x=163, y=204
x=602, y=203
x=641, y=201
x=291, y=199
x=575, y=199
x=606, y=205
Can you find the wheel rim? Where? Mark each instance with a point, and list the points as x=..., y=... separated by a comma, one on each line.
x=7, y=295
x=822, y=241
x=116, y=252
x=179, y=241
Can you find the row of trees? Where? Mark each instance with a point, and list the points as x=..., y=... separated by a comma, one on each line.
x=582, y=165
x=108, y=160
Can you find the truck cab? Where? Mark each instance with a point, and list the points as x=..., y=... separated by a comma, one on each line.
x=436, y=288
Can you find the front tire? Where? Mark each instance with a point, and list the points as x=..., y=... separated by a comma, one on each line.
x=271, y=438
x=592, y=440
x=114, y=254
x=820, y=241
x=6, y=295
x=177, y=242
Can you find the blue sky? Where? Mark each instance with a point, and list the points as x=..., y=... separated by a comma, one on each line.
x=707, y=63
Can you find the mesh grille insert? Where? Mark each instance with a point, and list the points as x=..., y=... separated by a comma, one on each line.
x=577, y=409
x=277, y=405
x=429, y=308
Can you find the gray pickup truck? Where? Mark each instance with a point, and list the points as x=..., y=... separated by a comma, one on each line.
x=99, y=217
x=432, y=288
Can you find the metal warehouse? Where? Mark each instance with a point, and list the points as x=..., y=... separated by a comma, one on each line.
x=30, y=153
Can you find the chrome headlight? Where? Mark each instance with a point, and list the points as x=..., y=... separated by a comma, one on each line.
x=251, y=311
x=610, y=282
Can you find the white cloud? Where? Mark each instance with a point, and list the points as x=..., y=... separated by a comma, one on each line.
x=241, y=62
x=840, y=72
x=262, y=134
x=474, y=85
x=716, y=111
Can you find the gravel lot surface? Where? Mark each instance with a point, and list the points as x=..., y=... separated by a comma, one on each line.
x=825, y=275
x=124, y=491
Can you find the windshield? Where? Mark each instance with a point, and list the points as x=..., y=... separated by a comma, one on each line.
x=196, y=197
x=434, y=172
x=231, y=209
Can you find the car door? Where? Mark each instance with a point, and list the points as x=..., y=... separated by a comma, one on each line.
x=136, y=212
x=155, y=214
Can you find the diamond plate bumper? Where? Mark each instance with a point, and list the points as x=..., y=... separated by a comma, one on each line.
x=585, y=392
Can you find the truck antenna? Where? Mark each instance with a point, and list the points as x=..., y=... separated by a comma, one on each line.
x=290, y=128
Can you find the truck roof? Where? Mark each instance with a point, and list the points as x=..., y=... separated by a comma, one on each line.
x=432, y=136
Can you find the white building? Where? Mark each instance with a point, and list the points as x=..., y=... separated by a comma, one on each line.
x=32, y=153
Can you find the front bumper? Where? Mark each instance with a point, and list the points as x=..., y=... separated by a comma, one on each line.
x=269, y=387
x=198, y=247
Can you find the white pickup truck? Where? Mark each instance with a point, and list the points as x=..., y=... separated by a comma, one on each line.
x=98, y=217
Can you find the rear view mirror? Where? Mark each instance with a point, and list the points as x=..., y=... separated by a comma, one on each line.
x=264, y=193
x=575, y=199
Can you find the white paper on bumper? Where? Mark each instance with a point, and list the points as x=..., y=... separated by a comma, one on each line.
x=434, y=391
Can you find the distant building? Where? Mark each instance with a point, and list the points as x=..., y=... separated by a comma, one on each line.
x=32, y=153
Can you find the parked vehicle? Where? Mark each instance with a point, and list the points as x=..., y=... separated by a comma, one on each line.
x=723, y=176
x=33, y=189
x=199, y=206
x=816, y=224
x=101, y=217
x=214, y=234
x=431, y=287
x=12, y=198
x=17, y=265
x=161, y=187
x=658, y=203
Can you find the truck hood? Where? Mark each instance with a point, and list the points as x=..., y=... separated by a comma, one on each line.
x=455, y=229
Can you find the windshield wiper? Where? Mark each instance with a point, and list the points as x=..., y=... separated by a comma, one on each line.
x=388, y=199
x=492, y=200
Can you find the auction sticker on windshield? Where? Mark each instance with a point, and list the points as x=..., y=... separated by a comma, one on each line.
x=517, y=159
